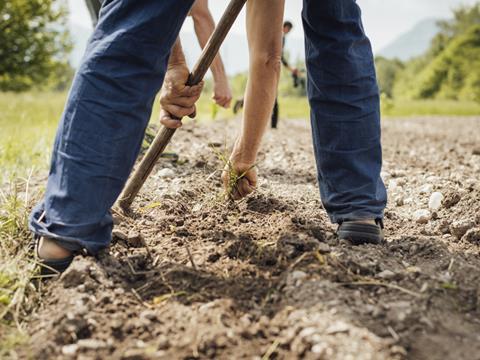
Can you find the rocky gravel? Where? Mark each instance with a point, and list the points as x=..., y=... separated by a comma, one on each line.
x=189, y=276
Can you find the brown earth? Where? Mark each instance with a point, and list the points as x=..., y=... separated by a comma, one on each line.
x=189, y=276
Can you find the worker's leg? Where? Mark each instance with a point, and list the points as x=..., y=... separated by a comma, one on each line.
x=105, y=118
x=345, y=116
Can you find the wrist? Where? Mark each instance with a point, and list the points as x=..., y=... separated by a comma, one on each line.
x=244, y=152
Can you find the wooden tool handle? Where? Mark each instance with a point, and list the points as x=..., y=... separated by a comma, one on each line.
x=162, y=139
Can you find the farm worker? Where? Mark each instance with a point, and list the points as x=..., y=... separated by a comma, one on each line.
x=112, y=95
x=204, y=26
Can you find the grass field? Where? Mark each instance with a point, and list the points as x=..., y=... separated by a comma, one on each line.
x=28, y=122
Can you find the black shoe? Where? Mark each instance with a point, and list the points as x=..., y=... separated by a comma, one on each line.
x=360, y=233
x=50, y=267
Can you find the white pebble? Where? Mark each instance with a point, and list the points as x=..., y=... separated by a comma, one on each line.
x=421, y=216
x=435, y=201
x=166, y=173
x=392, y=185
x=426, y=189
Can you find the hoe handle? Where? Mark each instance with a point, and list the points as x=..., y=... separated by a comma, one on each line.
x=162, y=139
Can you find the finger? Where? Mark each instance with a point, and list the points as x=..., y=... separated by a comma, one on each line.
x=235, y=195
x=194, y=90
x=222, y=101
x=167, y=121
x=180, y=101
x=178, y=111
x=228, y=103
x=244, y=187
x=193, y=115
x=171, y=124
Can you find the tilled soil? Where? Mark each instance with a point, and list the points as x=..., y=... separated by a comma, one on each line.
x=189, y=276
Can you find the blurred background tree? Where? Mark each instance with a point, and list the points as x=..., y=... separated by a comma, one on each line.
x=450, y=69
x=34, y=44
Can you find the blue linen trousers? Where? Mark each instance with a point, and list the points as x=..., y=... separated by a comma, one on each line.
x=112, y=95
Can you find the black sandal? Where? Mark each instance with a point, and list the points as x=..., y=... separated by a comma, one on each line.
x=360, y=233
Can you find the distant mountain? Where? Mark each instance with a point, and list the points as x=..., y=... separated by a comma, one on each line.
x=412, y=43
x=234, y=51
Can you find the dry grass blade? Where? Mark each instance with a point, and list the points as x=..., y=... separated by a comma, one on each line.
x=382, y=284
x=232, y=175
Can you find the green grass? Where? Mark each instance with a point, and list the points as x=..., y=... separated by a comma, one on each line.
x=27, y=127
x=17, y=268
x=411, y=108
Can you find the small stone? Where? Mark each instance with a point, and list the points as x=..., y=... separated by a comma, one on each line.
x=398, y=350
x=476, y=151
x=70, y=350
x=307, y=332
x=435, y=201
x=421, y=216
x=319, y=349
x=135, y=239
x=134, y=354
x=386, y=274
x=119, y=234
x=426, y=189
x=298, y=275
x=399, y=201
x=460, y=227
x=324, y=248
x=338, y=327
x=91, y=344
x=149, y=315
x=166, y=173
x=392, y=185
x=472, y=236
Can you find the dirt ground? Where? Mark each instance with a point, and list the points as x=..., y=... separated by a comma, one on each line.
x=191, y=277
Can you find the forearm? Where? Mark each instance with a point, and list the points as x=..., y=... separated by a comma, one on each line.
x=264, y=24
x=204, y=25
x=177, y=56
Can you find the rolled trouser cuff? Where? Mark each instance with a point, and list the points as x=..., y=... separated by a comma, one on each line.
x=73, y=237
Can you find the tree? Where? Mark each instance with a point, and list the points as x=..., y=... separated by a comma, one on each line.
x=387, y=71
x=34, y=42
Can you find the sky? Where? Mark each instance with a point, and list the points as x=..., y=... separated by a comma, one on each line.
x=384, y=20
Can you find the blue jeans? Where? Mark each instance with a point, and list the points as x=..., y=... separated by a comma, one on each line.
x=111, y=98
x=345, y=111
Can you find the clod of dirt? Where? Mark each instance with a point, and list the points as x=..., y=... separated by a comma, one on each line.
x=135, y=239
x=293, y=245
x=265, y=205
x=77, y=274
x=452, y=198
x=472, y=236
x=460, y=227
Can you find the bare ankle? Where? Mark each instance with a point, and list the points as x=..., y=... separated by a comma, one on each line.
x=49, y=249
